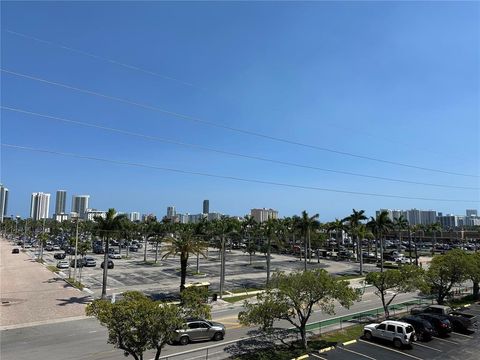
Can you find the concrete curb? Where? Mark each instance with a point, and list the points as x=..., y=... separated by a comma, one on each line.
x=326, y=349
x=349, y=342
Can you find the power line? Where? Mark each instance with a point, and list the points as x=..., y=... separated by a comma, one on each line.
x=252, y=157
x=233, y=129
x=225, y=177
x=98, y=57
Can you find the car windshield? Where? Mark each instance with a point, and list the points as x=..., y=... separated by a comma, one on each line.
x=409, y=329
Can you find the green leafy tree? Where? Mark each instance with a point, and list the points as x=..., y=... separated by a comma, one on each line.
x=183, y=243
x=392, y=282
x=136, y=323
x=271, y=230
x=292, y=297
x=447, y=271
x=107, y=228
x=194, y=302
x=474, y=272
x=400, y=224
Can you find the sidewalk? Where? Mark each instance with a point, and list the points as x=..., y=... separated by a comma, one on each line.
x=30, y=293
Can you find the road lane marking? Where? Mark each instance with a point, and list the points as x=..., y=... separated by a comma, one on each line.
x=448, y=341
x=387, y=348
x=355, y=352
x=428, y=347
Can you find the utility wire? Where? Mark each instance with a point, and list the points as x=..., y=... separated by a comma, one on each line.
x=252, y=157
x=233, y=129
x=225, y=177
x=98, y=57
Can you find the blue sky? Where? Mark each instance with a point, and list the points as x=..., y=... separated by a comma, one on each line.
x=395, y=81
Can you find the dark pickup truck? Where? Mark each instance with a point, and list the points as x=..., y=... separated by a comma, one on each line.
x=461, y=320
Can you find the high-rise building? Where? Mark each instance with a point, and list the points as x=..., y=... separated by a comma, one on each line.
x=448, y=221
x=80, y=204
x=471, y=212
x=206, y=206
x=261, y=215
x=171, y=212
x=135, y=216
x=3, y=202
x=39, y=205
x=60, y=202
x=428, y=217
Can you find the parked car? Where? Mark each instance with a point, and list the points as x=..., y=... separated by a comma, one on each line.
x=59, y=256
x=56, y=247
x=98, y=250
x=133, y=248
x=199, y=329
x=399, y=332
x=110, y=264
x=423, y=328
x=49, y=248
x=79, y=263
x=89, y=261
x=440, y=323
x=62, y=264
x=461, y=321
x=114, y=256
x=15, y=251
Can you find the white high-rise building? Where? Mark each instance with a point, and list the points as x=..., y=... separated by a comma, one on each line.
x=135, y=216
x=171, y=212
x=261, y=215
x=39, y=205
x=60, y=202
x=80, y=204
x=471, y=212
x=3, y=202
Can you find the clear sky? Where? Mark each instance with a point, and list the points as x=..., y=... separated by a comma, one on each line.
x=397, y=81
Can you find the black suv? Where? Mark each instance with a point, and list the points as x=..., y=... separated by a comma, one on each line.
x=423, y=328
x=110, y=264
x=59, y=256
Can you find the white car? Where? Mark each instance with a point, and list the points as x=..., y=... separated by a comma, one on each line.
x=115, y=256
x=63, y=264
x=399, y=332
x=56, y=248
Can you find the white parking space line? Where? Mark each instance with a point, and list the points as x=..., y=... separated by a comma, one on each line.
x=428, y=347
x=387, y=348
x=355, y=352
x=448, y=341
x=467, y=336
x=317, y=356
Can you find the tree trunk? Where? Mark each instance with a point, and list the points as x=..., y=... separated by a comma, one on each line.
x=385, y=307
x=198, y=264
x=156, y=252
x=381, y=254
x=183, y=271
x=410, y=246
x=361, y=255
x=434, y=242
x=145, y=248
x=476, y=290
x=268, y=261
x=222, y=269
x=158, y=352
x=303, y=334
x=105, y=269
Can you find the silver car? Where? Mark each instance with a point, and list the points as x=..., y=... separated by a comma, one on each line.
x=199, y=329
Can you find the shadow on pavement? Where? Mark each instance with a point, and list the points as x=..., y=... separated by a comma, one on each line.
x=75, y=300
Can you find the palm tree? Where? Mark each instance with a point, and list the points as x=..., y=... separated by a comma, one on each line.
x=434, y=228
x=222, y=228
x=380, y=226
x=305, y=225
x=183, y=243
x=400, y=224
x=354, y=221
x=107, y=227
x=338, y=226
x=271, y=229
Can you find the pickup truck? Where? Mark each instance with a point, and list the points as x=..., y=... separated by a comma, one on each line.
x=462, y=321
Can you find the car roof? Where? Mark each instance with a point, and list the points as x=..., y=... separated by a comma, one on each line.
x=393, y=322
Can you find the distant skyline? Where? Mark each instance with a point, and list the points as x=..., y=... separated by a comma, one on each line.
x=189, y=86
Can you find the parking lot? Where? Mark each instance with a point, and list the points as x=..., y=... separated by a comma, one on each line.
x=454, y=346
x=164, y=276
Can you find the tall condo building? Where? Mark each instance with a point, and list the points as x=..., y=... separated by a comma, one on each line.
x=134, y=216
x=171, y=212
x=206, y=206
x=39, y=205
x=80, y=204
x=261, y=215
x=471, y=212
x=60, y=202
x=3, y=202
